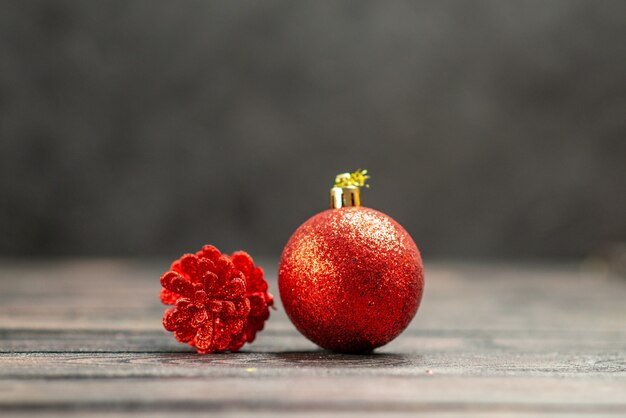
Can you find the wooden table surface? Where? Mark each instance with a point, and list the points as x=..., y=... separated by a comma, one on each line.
x=84, y=338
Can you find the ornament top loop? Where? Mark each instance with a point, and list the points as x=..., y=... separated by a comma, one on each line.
x=346, y=191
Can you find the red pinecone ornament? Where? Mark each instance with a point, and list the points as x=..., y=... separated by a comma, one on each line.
x=220, y=301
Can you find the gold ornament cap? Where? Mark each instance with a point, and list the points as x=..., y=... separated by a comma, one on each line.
x=347, y=189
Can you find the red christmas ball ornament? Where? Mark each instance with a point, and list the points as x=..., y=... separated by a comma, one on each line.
x=220, y=301
x=350, y=278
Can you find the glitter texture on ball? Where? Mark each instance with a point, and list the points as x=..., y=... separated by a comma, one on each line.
x=351, y=279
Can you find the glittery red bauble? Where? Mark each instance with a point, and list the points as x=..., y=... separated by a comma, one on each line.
x=351, y=279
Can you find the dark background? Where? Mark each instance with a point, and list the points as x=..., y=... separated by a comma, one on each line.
x=490, y=128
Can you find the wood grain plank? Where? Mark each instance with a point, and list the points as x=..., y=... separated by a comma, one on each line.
x=451, y=411
x=324, y=394
x=295, y=364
